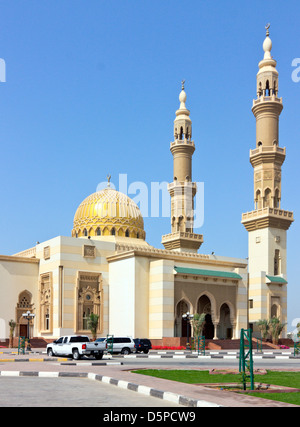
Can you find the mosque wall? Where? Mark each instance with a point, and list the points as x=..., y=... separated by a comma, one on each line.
x=18, y=291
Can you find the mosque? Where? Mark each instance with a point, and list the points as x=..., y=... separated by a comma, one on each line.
x=107, y=267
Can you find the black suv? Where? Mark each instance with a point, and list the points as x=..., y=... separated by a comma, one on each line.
x=142, y=344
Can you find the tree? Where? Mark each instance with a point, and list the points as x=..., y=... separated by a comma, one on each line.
x=12, y=324
x=263, y=326
x=93, y=324
x=275, y=327
x=197, y=323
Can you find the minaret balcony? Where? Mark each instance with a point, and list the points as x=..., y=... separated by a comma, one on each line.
x=267, y=217
x=182, y=241
x=267, y=154
x=181, y=142
x=267, y=98
x=266, y=148
x=182, y=187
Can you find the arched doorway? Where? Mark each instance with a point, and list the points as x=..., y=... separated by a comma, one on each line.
x=181, y=323
x=225, y=328
x=24, y=304
x=204, y=306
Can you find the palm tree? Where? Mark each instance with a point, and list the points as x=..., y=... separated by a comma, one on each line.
x=197, y=323
x=263, y=326
x=12, y=324
x=93, y=324
x=275, y=327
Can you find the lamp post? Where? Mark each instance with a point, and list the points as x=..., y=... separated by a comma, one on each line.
x=29, y=316
x=188, y=318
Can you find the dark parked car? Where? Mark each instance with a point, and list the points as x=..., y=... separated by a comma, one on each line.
x=142, y=344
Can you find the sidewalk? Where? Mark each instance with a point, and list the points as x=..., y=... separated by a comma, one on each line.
x=110, y=371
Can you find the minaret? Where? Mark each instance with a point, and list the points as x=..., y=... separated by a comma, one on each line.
x=182, y=190
x=267, y=224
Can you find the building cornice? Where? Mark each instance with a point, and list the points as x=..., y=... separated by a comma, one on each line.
x=13, y=258
x=174, y=256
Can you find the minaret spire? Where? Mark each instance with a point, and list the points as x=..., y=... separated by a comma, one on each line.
x=182, y=189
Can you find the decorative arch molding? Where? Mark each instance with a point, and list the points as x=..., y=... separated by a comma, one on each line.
x=89, y=299
x=181, y=307
x=181, y=301
x=213, y=313
x=23, y=305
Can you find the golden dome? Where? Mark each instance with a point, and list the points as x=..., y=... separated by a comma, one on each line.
x=108, y=212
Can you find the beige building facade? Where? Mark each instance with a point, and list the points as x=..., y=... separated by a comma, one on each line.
x=107, y=267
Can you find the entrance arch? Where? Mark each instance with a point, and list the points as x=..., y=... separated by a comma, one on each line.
x=180, y=323
x=23, y=305
x=225, y=326
x=204, y=306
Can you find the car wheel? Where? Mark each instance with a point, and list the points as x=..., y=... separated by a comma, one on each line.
x=146, y=351
x=99, y=356
x=76, y=355
x=125, y=350
x=50, y=352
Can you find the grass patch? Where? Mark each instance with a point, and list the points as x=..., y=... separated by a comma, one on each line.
x=293, y=397
x=280, y=378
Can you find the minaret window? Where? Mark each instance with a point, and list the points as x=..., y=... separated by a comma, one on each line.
x=181, y=133
x=277, y=262
x=267, y=198
x=268, y=89
x=259, y=144
x=276, y=199
x=258, y=200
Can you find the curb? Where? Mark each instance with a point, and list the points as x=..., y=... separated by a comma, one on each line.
x=90, y=363
x=36, y=360
x=148, y=391
x=211, y=356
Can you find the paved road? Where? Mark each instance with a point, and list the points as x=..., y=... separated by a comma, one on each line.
x=111, y=371
x=70, y=392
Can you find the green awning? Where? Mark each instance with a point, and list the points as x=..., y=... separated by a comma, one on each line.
x=210, y=273
x=276, y=279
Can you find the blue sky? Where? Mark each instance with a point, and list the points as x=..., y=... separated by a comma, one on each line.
x=92, y=88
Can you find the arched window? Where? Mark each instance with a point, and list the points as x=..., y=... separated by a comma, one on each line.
x=258, y=200
x=98, y=231
x=113, y=232
x=127, y=233
x=85, y=233
x=276, y=199
x=277, y=262
x=181, y=133
x=267, y=198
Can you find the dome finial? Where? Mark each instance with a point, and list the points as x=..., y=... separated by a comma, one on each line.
x=267, y=45
x=182, y=96
x=108, y=180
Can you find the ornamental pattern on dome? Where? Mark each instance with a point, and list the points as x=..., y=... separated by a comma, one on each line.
x=108, y=212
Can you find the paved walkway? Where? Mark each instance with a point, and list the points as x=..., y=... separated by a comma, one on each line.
x=113, y=372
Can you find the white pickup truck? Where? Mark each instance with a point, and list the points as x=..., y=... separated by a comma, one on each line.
x=75, y=346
